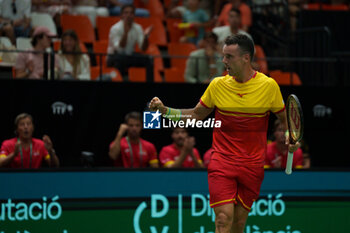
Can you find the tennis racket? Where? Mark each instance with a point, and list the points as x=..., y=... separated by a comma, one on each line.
x=295, y=122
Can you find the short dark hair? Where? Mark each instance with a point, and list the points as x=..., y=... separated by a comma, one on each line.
x=245, y=44
x=233, y=9
x=212, y=35
x=128, y=6
x=133, y=115
x=36, y=38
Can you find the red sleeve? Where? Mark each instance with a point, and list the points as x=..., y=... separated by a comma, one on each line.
x=166, y=156
x=6, y=149
x=298, y=159
x=152, y=151
x=196, y=153
x=44, y=153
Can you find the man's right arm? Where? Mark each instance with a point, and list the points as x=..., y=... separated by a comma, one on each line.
x=114, y=150
x=199, y=112
x=6, y=160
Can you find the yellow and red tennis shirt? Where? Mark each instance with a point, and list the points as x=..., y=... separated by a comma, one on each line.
x=243, y=109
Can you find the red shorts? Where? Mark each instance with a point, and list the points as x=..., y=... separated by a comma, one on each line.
x=230, y=183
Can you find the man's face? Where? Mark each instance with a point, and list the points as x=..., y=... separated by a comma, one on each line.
x=279, y=134
x=45, y=41
x=128, y=14
x=179, y=135
x=210, y=42
x=234, y=19
x=25, y=128
x=134, y=128
x=234, y=61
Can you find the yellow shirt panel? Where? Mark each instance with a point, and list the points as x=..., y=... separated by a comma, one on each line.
x=258, y=95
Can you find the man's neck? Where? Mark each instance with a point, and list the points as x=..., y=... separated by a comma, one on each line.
x=246, y=76
x=25, y=141
x=234, y=30
x=134, y=140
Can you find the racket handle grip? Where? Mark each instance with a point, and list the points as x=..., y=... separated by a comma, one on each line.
x=289, y=163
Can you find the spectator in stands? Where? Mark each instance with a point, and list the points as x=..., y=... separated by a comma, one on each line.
x=181, y=153
x=277, y=151
x=131, y=150
x=115, y=7
x=195, y=21
x=55, y=8
x=24, y=151
x=234, y=22
x=31, y=64
x=91, y=8
x=15, y=19
x=204, y=64
x=207, y=157
x=306, y=154
x=177, y=10
x=121, y=46
x=246, y=14
x=73, y=64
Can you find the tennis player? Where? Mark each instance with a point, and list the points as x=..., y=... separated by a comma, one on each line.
x=242, y=100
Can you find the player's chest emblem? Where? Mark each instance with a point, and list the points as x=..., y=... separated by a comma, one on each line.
x=36, y=153
x=241, y=94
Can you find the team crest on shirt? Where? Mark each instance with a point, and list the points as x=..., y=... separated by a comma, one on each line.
x=241, y=94
x=36, y=153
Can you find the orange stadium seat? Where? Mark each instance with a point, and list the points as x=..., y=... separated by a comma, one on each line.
x=158, y=34
x=174, y=32
x=334, y=7
x=137, y=74
x=104, y=24
x=100, y=47
x=81, y=25
x=261, y=59
x=173, y=75
x=285, y=78
x=154, y=7
x=326, y=7
x=180, y=49
x=167, y=3
x=311, y=6
x=113, y=72
x=157, y=62
x=153, y=50
x=157, y=77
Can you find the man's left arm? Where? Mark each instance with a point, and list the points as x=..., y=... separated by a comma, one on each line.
x=154, y=163
x=145, y=43
x=196, y=158
x=54, y=161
